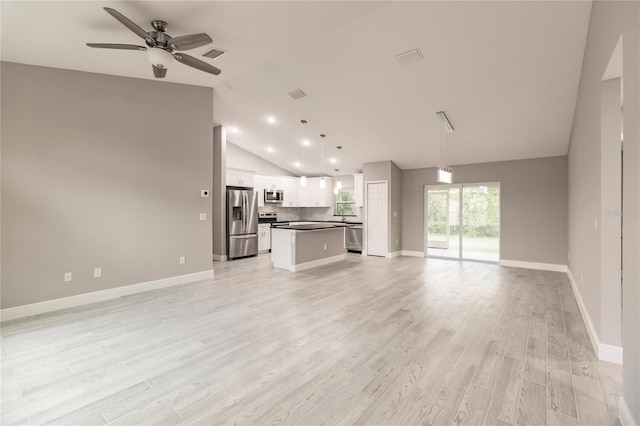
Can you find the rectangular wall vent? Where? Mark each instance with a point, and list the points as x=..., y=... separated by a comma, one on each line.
x=409, y=57
x=297, y=94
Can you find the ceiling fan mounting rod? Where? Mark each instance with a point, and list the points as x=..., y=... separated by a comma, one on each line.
x=160, y=26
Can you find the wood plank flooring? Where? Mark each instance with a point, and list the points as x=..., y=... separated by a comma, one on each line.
x=366, y=341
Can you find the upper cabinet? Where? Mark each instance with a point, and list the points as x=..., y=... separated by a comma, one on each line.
x=358, y=189
x=240, y=178
x=310, y=195
x=291, y=192
x=315, y=196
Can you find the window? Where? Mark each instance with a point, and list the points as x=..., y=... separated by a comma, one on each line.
x=345, y=203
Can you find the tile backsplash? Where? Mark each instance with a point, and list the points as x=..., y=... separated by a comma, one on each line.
x=308, y=213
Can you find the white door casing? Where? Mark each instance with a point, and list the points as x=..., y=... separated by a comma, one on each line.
x=377, y=218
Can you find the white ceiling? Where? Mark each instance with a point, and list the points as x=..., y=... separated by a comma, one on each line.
x=506, y=73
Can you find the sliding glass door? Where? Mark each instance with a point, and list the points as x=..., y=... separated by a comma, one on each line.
x=463, y=221
x=442, y=238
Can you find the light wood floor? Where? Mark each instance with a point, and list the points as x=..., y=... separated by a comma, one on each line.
x=367, y=341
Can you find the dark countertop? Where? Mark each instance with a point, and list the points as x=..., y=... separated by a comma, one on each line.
x=339, y=222
x=312, y=226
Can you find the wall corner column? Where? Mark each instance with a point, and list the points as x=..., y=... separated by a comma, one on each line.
x=218, y=193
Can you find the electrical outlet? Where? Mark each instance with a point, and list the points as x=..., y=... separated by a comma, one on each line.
x=397, y=241
x=395, y=214
x=325, y=246
x=67, y=277
x=204, y=193
x=595, y=223
x=203, y=216
x=581, y=278
x=183, y=260
x=97, y=272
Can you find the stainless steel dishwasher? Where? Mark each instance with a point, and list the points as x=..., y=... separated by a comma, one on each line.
x=353, y=238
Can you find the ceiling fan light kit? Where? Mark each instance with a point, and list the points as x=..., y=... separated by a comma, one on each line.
x=160, y=46
x=160, y=57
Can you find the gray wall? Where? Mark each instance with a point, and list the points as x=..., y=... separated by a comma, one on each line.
x=395, y=209
x=533, y=206
x=92, y=178
x=610, y=227
x=608, y=21
x=240, y=158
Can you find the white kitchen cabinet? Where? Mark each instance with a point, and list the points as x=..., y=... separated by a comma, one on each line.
x=314, y=195
x=264, y=237
x=358, y=189
x=291, y=188
x=242, y=178
x=259, y=186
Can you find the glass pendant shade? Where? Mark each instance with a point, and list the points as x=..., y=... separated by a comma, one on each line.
x=158, y=56
x=303, y=180
x=339, y=184
x=335, y=190
x=322, y=183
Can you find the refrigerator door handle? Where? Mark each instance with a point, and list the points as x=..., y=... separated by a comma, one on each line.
x=245, y=206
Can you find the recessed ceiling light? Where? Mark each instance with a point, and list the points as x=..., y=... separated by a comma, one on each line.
x=271, y=119
x=234, y=129
x=269, y=149
x=305, y=142
x=297, y=164
x=333, y=160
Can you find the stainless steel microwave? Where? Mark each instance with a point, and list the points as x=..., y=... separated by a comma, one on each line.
x=273, y=195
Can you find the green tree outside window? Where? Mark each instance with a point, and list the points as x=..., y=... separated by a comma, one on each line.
x=345, y=203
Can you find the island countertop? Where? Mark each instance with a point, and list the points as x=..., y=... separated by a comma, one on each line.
x=312, y=226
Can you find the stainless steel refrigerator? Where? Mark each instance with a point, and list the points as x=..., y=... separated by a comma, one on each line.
x=242, y=223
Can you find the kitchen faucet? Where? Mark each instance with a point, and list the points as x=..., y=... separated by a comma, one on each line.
x=344, y=219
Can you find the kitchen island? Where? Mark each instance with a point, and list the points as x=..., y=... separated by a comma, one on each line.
x=300, y=247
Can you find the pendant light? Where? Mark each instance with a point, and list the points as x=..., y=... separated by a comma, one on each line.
x=303, y=178
x=323, y=184
x=444, y=172
x=339, y=184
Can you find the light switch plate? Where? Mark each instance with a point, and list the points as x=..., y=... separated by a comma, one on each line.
x=97, y=272
x=203, y=216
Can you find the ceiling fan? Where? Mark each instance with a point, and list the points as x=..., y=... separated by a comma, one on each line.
x=161, y=46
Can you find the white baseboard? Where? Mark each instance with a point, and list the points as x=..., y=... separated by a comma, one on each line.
x=626, y=418
x=99, y=296
x=319, y=262
x=219, y=258
x=392, y=254
x=605, y=352
x=533, y=265
x=593, y=335
x=610, y=353
x=411, y=253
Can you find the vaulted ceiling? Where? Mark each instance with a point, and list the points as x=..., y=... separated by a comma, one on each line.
x=505, y=73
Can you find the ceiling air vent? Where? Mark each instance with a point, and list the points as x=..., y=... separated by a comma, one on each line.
x=297, y=94
x=409, y=57
x=213, y=53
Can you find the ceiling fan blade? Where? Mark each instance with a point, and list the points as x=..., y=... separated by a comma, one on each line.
x=128, y=23
x=159, y=72
x=190, y=41
x=196, y=63
x=116, y=46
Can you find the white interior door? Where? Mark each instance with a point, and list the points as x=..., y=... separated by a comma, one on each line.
x=377, y=211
